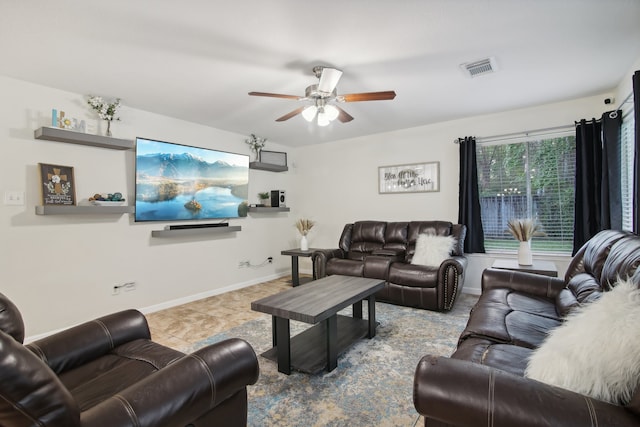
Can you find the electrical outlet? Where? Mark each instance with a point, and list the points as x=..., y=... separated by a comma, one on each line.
x=126, y=287
x=270, y=260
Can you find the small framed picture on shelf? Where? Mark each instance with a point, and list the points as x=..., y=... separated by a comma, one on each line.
x=58, y=184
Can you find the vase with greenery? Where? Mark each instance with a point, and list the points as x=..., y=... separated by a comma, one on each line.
x=304, y=226
x=256, y=144
x=523, y=230
x=106, y=110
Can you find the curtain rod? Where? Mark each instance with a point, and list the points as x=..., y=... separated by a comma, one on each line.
x=514, y=135
x=627, y=99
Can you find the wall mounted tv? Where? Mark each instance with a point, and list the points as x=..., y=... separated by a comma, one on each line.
x=179, y=182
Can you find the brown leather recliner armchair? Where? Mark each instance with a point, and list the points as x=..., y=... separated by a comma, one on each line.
x=483, y=382
x=384, y=250
x=109, y=373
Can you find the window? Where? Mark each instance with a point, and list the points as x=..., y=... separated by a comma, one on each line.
x=626, y=158
x=529, y=179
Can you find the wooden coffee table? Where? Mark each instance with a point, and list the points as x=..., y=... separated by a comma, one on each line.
x=318, y=303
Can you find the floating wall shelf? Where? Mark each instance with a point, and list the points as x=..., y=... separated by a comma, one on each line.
x=268, y=209
x=267, y=167
x=72, y=137
x=195, y=231
x=83, y=210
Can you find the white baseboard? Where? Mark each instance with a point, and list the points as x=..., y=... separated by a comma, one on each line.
x=207, y=294
x=176, y=302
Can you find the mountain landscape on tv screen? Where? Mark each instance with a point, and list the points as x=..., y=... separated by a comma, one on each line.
x=186, y=186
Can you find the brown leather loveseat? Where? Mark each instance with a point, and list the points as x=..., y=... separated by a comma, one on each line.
x=109, y=373
x=484, y=383
x=384, y=250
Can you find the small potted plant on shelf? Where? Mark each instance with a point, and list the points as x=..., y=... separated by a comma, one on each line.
x=264, y=199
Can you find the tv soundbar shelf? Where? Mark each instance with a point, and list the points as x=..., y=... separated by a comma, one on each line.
x=268, y=209
x=195, y=231
x=77, y=210
x=72, y=137
x=267, y=167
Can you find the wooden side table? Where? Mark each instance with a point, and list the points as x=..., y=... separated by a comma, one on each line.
x=546, y=268
x=295, y=253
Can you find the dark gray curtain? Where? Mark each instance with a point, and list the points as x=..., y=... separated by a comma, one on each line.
x=611, y=194
x=597, y=177
x=469, y=197
x=636, y=166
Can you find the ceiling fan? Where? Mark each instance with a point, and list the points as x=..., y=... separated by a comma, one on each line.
x=323, y=96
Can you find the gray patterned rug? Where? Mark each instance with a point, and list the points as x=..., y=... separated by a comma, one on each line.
x=373, y=383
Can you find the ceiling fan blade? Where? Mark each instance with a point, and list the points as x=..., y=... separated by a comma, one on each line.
x=290, y=114
x=344, y=117
x=329, y=80
x=369, y=96
x=275, y=95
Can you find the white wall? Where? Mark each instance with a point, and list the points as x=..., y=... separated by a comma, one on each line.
x=60, y=270
x=337, y=181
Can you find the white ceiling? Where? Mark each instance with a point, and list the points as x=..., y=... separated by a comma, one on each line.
x=197, y=59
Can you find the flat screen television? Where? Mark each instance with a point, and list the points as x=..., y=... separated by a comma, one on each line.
x=177, y=182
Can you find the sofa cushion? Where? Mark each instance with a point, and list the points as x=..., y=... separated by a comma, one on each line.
x=413, y=275
x=345, y=267
x=596, y=352
x=432, y=250
x=509, y=317
x=126, y=365
x=506, y=357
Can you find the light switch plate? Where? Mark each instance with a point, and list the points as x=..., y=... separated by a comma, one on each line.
x=14, y=197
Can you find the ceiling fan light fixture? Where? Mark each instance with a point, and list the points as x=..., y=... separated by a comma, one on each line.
x=323, y=120
x=331, y=112
x=309, y=113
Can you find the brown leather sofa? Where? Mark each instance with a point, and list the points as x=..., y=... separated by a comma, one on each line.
x=109, y=373
x=483, y=382
x=384, y=250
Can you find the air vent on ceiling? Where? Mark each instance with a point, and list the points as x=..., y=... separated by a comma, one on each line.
x=479, y=68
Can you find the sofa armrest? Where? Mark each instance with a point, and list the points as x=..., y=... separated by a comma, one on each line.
x=88, y=341
x=183, y=391
x=451, y=278
x=320, y=258
x=535, y=284
x=462, y=393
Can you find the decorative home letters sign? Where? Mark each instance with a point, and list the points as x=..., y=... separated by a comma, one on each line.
x=412, y=178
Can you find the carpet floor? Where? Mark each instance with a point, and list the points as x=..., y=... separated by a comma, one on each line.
x=373, y=383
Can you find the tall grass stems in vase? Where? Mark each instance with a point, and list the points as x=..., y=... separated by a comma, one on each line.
x=523, y=230
x=304, y=226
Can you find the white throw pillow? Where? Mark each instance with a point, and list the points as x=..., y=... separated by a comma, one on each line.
x=596, y=351
x=431, y=250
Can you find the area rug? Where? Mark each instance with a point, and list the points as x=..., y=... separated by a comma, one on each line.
x=373, y=383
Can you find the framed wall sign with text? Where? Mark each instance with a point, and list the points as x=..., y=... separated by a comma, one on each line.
x=411, y=178
x=57, y=184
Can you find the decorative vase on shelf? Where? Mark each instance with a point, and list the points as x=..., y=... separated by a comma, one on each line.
x=108, y=133
x=524, y=253
x=304, y=244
